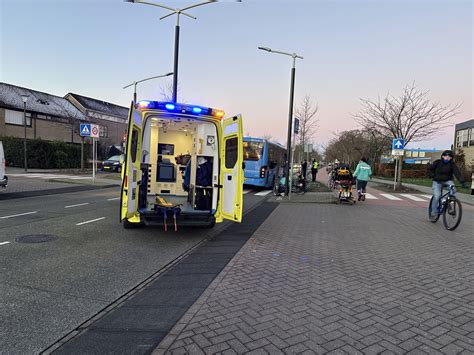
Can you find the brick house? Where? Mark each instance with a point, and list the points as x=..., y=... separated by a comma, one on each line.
x=464, y=140
x=111, y=118
x=48, y=117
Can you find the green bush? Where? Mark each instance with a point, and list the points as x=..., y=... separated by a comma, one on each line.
x=43, y=154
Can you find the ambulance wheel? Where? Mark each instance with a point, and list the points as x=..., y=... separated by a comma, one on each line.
x=128, y=225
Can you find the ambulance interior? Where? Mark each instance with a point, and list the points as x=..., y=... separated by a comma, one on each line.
x=179, y=164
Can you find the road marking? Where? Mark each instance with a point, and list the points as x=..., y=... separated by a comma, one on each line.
x=246, y=191
x=3, y=243
x=412, y=197
x=370, y=197
x=391, y=197
x=427, y=196
x=263, y=193
x=92, y=220
x=17, y=215
x=79, y=204
x=116, y=198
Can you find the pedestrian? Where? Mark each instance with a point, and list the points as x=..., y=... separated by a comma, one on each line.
x=304, y=169
x=314, y=169
x=362, y=173
x=442, y=171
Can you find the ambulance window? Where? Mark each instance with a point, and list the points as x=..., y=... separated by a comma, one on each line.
x=134, y=145
x=231, y=152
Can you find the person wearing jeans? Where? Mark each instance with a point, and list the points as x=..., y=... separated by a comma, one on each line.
x=362, y=174
x=442, y=172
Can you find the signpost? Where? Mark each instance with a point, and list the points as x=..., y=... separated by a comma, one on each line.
x=398, y=150
x=92, y=131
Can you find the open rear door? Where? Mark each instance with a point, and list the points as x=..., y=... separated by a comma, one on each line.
x=131, y=168
x=232, y=172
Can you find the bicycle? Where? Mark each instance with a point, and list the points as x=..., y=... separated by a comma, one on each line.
x=448, y=206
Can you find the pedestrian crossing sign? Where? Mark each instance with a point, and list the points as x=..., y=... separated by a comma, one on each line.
x=85, y=130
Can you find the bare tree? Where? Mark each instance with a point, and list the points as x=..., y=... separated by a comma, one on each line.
x=412, y=116
x=166, y=92
x=306, y=113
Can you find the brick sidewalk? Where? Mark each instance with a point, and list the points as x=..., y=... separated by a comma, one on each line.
x=328, y=283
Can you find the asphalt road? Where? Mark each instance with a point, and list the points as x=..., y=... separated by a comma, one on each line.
x=48, y=289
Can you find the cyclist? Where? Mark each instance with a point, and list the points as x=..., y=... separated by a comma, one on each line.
x=362, y=173
x=442, y=171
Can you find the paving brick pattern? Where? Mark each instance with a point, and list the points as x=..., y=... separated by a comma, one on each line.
x=329, y=283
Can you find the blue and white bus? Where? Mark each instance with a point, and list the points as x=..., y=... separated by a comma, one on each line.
x=262, y=161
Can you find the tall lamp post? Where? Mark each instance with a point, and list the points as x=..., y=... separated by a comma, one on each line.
x=178, y=12
x=290, y=115
x=140, y=81
x=25, y=99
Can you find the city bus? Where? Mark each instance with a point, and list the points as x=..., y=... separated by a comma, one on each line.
x=183, y=166
x=262, y=161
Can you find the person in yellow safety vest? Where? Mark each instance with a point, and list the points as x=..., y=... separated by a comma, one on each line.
x=314, y=169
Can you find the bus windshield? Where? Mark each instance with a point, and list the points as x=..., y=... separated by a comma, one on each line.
x=253, y=150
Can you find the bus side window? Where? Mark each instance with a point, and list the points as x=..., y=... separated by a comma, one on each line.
x=134, y=145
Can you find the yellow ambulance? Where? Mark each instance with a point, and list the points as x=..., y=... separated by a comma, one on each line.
x=183, y=166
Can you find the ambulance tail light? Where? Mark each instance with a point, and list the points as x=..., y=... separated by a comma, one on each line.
x=125, y=181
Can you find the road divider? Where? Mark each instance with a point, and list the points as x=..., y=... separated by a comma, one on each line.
x=79, y=204
x=92, y=220
x=18, y=215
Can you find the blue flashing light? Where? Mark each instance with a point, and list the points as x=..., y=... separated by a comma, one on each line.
x=197, y=109
x=170, y=106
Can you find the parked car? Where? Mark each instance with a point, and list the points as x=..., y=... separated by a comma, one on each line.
x=3, y=176
x=112, y=164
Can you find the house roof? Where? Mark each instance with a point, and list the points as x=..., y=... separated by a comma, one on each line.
x=465, y=124
x=101, y=106
x=40, y=102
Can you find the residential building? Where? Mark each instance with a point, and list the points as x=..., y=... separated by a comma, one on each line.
x=416, y=156
x=48, y=117
x=464, y=140
x=111, y=118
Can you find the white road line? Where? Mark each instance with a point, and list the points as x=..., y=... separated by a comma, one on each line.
x=391, y=197
x=412, y=197
x=370, y=197
x=246, y=191
x=17, y=215
x=116, y=198
x=263, y=193
x=427, y=196
x=92, y=220
x=79, y=204
x=3, y=243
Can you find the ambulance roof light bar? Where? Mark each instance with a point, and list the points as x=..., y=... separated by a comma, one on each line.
x=180, y=108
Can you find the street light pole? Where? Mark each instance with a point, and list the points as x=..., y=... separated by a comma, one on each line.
x=25, y=99
x=290, y=114
x=176, y=12
x=142, y=80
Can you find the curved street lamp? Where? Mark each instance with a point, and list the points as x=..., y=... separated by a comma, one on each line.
x=142, y=80
x=177, y=12
x=290, y=115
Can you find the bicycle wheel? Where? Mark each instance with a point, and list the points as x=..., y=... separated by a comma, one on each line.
x=452, y=214
x=435, y=219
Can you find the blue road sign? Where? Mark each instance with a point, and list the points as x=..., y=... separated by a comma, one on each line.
x=85, y=130
x=398, y=143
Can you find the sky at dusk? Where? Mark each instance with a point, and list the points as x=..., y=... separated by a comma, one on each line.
x=351, y=49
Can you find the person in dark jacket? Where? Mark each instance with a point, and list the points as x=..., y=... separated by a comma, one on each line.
x=442, y=171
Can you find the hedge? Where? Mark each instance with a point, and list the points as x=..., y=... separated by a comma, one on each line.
x=43, y=154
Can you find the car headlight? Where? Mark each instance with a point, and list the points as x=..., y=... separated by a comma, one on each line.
x=117, y=163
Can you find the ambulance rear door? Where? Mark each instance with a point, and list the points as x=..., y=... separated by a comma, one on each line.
x=232, y=172
x=131, y=168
